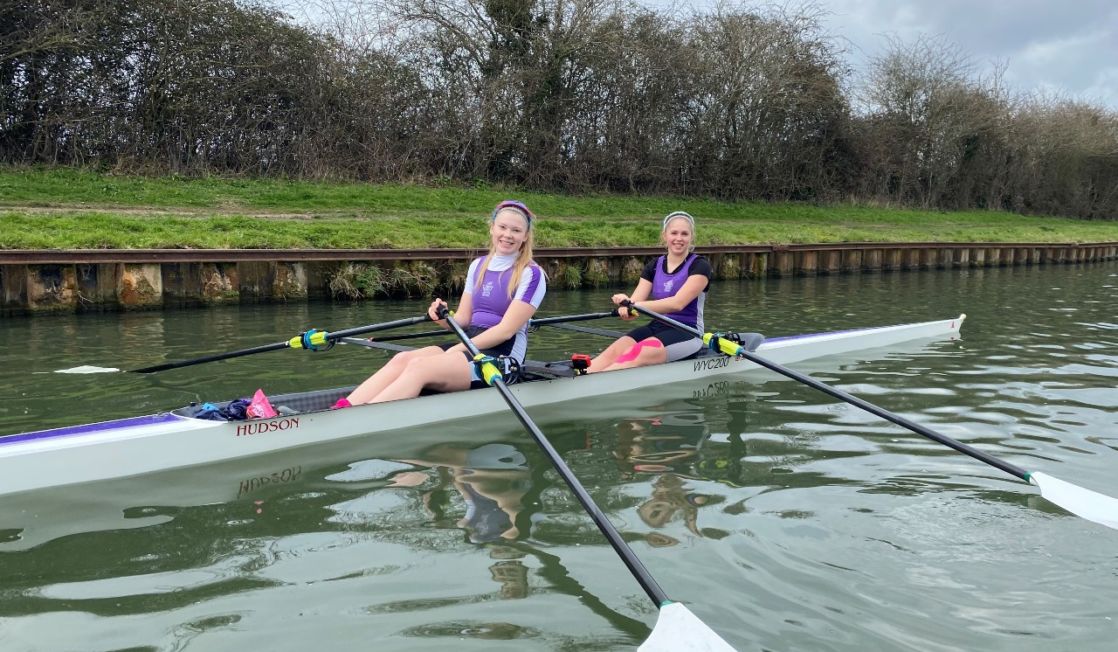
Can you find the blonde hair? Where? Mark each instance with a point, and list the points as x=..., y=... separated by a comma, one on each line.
x=523, y=258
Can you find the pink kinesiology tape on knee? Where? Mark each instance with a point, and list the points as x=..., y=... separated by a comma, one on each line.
x=635, y=350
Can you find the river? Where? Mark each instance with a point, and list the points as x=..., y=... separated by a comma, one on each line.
x=783, y=519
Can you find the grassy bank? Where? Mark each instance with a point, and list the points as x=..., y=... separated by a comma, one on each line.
x=47, y=208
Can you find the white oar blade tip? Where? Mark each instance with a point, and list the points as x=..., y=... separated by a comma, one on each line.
x=1091, y=505
x=679, y=630
x=87, y=369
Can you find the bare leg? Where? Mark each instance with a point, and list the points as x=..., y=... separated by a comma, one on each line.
x=648, y=352
x=449, y=371
x=385, y=376
x=612, y=352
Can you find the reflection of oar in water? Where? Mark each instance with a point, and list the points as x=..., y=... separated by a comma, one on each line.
x=1082, y=502
x=677, y=629
x=552, y=569
x=311, y=340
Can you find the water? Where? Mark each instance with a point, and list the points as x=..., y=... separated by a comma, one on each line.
x=784, y=520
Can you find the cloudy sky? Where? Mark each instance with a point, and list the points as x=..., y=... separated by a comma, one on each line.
x=1065, y=47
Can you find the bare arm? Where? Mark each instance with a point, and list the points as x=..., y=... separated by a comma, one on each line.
x=690, y=290
x=515, y=317
x=644, y=287
x=462, y=315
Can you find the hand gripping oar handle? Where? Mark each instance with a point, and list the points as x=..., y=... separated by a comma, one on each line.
x=305, y=340
x=732, y=348
x=493, y=376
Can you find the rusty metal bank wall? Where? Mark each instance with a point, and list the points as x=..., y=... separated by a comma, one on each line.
x=133, y=279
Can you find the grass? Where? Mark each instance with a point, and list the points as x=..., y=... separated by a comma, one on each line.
x=64, y=208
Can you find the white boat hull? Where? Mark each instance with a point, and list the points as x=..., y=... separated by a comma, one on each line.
x=163, y=441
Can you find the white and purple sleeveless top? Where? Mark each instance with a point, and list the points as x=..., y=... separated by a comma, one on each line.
x=665, y=285
x=491, y=300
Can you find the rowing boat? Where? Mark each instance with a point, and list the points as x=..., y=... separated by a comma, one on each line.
x=177, y=438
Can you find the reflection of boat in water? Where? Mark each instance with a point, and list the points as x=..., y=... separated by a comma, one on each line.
x=28, y=519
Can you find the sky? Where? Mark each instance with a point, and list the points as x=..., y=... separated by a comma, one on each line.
x=1064, y=48
x=1067, y=48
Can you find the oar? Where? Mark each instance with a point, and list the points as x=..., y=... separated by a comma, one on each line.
x=307, y=340
x=676, y=629
x=1082, y=502
x=559, y=320
x=413, y=336
x=563, y=319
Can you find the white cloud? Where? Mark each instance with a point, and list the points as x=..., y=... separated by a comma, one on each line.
x=1062, y=47
x=1066, y=47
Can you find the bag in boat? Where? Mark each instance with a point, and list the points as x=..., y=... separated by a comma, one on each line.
x=260, y=408
x=233, y=411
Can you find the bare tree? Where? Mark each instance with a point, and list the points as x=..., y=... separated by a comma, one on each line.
x=737, y=102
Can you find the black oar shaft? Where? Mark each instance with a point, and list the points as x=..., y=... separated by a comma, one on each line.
x=890, y=416
x=212, y=358
x=371, y=328
x=275, y=346
x=413, y=336
x=612, y=535
x=544, y=321
x=562, y=319
x=854, y=400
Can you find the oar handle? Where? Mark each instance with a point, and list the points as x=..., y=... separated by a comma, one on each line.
x=731, y=348
x=655, y=593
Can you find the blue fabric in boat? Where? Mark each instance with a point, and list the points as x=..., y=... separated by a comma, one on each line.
x=299, y=402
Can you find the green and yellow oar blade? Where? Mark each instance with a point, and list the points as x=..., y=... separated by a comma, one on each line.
x=1082, y=502
x=679, y=630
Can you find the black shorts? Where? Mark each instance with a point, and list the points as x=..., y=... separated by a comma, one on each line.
x=680, y=345
x=502, y=349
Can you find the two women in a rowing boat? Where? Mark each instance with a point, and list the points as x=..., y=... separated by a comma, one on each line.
x=503, y=290
x=674, y=285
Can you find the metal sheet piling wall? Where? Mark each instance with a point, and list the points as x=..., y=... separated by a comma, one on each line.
x=108, y=280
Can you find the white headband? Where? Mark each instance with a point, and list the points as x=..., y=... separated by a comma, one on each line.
x=671, y=216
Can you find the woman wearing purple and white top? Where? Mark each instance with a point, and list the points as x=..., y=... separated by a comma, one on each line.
x=503, y=290
x=674, y=285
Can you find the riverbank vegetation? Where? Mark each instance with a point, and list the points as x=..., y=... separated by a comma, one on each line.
x=64, y=208
x=577, y=97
